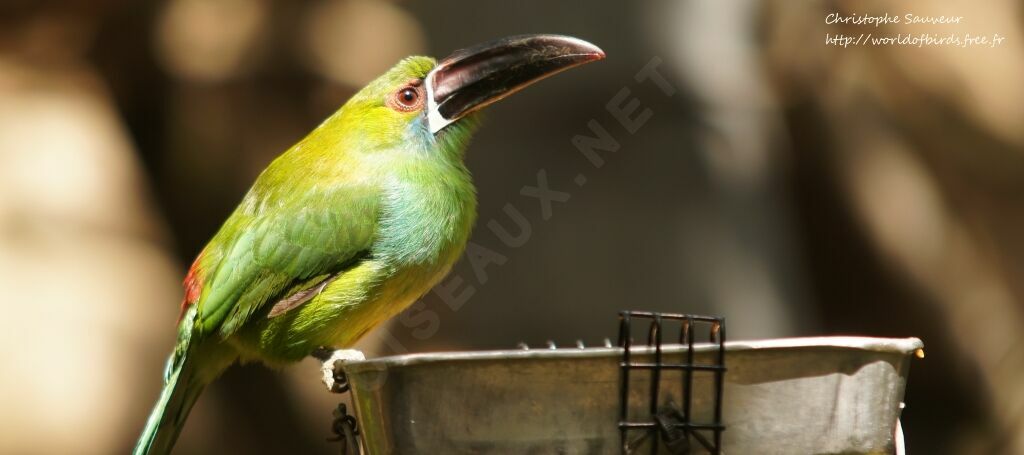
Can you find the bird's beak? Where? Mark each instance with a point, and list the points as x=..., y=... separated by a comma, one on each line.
x=472, y=78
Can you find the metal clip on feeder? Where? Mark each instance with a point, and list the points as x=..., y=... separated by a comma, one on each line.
x=668, y=423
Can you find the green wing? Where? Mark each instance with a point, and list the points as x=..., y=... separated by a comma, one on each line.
x=278, y=244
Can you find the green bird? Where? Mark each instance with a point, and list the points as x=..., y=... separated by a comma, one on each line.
x=350, y=225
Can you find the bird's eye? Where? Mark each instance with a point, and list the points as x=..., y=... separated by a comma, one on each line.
x=406, y=99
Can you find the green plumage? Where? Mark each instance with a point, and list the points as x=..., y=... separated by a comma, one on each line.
x=349, y=226
x=370, y=202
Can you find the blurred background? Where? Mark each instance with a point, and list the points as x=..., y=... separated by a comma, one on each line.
x=796, y=188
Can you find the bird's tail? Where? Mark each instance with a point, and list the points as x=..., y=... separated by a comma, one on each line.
x=181, y=389
x=193, y=364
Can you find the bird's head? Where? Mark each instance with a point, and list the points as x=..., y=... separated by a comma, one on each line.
x=424, y=101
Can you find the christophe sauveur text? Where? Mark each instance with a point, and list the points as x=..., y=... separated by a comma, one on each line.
x=886, y=18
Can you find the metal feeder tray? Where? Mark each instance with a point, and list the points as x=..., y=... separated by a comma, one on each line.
x=822, y=395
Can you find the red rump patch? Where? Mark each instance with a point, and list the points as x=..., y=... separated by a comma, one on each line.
x=193, y=286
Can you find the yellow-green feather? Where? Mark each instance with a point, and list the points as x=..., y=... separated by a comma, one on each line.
x=371, y=197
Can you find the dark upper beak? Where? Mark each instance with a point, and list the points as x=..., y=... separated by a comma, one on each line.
x=472, y=78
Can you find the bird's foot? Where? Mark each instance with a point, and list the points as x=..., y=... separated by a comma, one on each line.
x=332, y=362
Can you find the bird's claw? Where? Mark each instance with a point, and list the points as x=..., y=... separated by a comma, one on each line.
x=331, y=366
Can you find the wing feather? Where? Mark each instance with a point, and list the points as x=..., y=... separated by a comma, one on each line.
x=281, y=253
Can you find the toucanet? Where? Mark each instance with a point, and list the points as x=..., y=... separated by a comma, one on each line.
x=350, y=225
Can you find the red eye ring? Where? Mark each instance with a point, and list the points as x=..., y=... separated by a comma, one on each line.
x=406, y=99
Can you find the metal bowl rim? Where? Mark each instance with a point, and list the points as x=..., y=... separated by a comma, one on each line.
x=902, y=346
